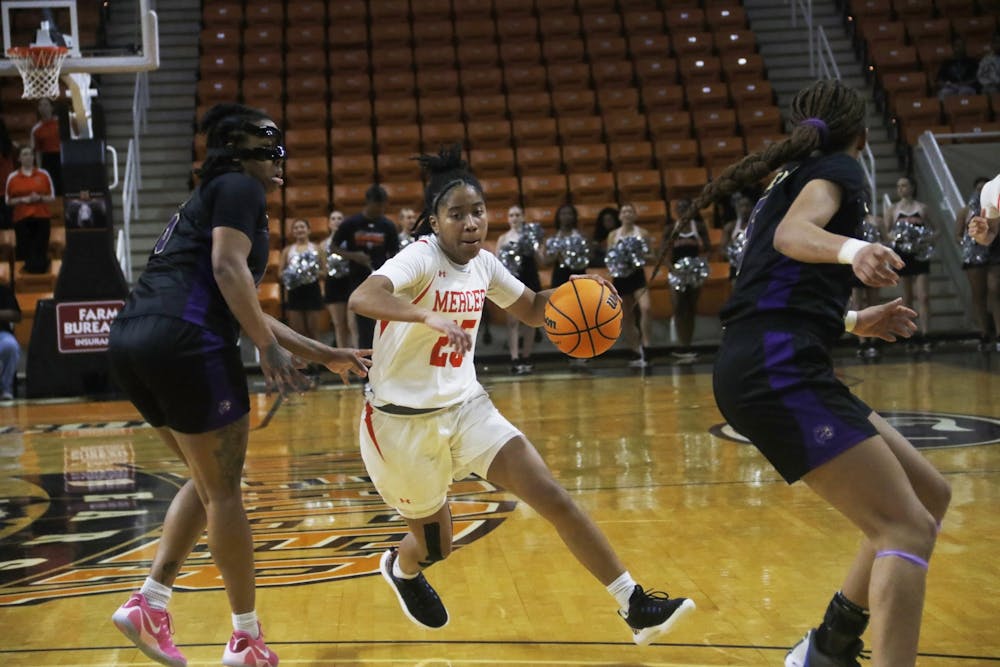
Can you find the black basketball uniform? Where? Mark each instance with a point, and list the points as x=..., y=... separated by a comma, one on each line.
x=774, y=380
x=173, y=346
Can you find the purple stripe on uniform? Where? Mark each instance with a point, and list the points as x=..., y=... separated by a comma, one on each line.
x=222, y=408
x=198, y=301
x=784, y=277
x=824, y=434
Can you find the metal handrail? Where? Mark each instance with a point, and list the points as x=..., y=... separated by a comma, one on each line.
x=130, y=209
x=807, y=14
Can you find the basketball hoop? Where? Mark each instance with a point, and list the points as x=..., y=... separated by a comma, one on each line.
x=39, y=67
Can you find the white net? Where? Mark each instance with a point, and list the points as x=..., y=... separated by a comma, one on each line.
x=39, y=67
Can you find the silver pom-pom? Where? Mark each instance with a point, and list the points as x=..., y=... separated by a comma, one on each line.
x=974, y=253
x=531, y=238
x=302, y=269
x=554, y=245
x=575, y=253
x=337, y=266
x=688, y=273
x=626, y=256
x=910, y=239
x=870, y=232
x=510, y=256
x=736, y=247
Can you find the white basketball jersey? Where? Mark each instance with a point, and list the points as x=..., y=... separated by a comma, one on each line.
x=989, y=199
x=412, y=364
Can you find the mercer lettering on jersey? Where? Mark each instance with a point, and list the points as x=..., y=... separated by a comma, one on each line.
x=453, y=301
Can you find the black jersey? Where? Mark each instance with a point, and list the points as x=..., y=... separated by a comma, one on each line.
x=178, y=280
x=770, y=285
x=376, y=238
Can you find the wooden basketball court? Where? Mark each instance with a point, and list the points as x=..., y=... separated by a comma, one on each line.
x=84, y=487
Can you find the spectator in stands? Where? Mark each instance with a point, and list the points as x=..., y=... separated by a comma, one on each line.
x=982, y=268
x=368, y=239
x=301, y=267
x=520, y=347
x=7, y=157
x=988, y=74
x=404, y=224
x=632, y=289
x=554, y=250
x=607, y=220
x=45, y=143
x=915, y=276
x=337, y=290
x=29, y=191
x=957, y=75
x=691, y=240
x=10, y=351
x=735, y=229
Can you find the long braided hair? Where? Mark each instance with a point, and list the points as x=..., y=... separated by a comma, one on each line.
x=826, y=116
x=443, y=171
x=225, y=128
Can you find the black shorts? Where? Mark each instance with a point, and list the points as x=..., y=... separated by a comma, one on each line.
x=178, y=374
x=776, y=387
x=306, y=297
x=338, y=290
x=630, y=284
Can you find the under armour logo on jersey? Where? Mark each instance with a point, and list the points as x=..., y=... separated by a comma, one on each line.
x=823, y=433
x=442, y=274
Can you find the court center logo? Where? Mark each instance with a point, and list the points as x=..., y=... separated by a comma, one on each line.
x=94, y=528
x=926, y=430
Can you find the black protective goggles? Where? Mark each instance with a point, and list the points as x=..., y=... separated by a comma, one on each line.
x=262, y=153
x=267, y=131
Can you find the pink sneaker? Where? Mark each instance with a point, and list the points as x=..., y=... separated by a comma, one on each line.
x=149, y=629
x=245, y=651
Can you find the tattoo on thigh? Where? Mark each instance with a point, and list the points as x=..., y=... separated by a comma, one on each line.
x=231, y=452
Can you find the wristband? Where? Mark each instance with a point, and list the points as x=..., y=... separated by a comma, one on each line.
x=849, y=249
x=850, y=320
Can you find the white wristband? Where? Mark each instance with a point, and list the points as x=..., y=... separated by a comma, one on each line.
x=850, y=248
x=850, y=320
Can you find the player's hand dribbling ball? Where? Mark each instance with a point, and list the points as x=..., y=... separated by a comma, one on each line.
x=583, y=318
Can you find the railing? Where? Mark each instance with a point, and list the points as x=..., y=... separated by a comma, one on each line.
x=826, y=63
x=805, y=6
x=132, y=182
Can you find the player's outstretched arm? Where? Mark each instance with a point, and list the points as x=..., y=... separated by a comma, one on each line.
x=887, y=321
x=984, y=230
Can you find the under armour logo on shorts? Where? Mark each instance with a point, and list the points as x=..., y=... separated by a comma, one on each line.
x=823, y=433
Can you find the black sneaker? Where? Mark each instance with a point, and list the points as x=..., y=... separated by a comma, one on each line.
x=418, y=600
x=806, y=654
x=653, y=614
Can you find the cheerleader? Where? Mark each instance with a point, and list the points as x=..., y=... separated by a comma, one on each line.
x=982, y=268
x=631, y=287
x=691, y=241
x=567, y=221
x=300, y=270
x=337, y=286
x=916, y=274
x=527, y=273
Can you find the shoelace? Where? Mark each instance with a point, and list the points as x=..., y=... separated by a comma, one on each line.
x=650, y=598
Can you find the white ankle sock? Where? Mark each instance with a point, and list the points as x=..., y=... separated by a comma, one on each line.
x=247, y=623
x=398, y=571
x=621, y=589
x=156, y=594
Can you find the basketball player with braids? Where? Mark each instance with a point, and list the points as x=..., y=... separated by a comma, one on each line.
x=428, y=421
x=774, y=379
x=173, y=350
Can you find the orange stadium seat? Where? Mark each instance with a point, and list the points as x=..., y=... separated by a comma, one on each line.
x=606, y=48
x=612, y=74
x=563, y=50
x=728, y=15
x=618, y=100
x=584, y=158
x=669, y=125
x=751, y=93
x=594, y=187
x=715, y=123
x=398, y=138
x=437, y=10
x=741, y=68
x=625, y=126
x=434, y=56
x=700, y=69
x=871, y=8
x=974, y=109
x=306, y=88
x=524, y=79
x=574, y=102
x=517, y=29
x=218, y=65
x=975, y=29
x=347, y=11
x=351, y=140
x=692, y=43
x=306, y=170
x=478, y=53
x=888, y=57
x=485, y=107
x=431, y=33
x=649, y=46
x=559, y=24
x=305, y=37
x=473, y=31
x=305, y=200
x=481, y=81
x=349, y=112
x=353, y=168
x=349, y=196
x=540, y=159
x=393, y=167
x=221, y=39
x=681, y=182
x=529, y=105
x=684, y=19
x=305, y=61
x=706, y=96
x=643, y=22
x=502, y=189
x=601, y=23
x=534, y=132
x=653, y=72
x=908, y=9
x=543, y=190
x=672, y=153
x=758, y=120
x=488, y=134
x=388, y=34
x=519, y=53
x=349, y=86
x=568, y=76
x=264, y=36
x=651, y=213
x=735, y=41
x=402, y=111
x=268, y=13
x=222, y=13
x=630, y=155
x=955, y=8
x=719, y=152
x=493, y=162
x=874, y=31
x=663, y=98
x=405, y=194
x=395, y=85
x=392, y=59
x=436, y=82
x=435, y=109
x=580, y=130
x=217, y=90
x=920, y=28
x=434, y=136
x=545, y=216
x=643, y=185
x=306, y=12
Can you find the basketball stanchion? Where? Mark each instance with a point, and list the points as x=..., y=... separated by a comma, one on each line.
x=39, y=67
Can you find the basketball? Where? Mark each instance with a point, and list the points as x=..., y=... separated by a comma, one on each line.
x=583, y=318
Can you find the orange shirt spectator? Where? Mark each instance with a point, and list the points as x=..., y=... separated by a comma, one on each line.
x=21, y=187
x=45, y=143
x=29, y=191
x=45, y=136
